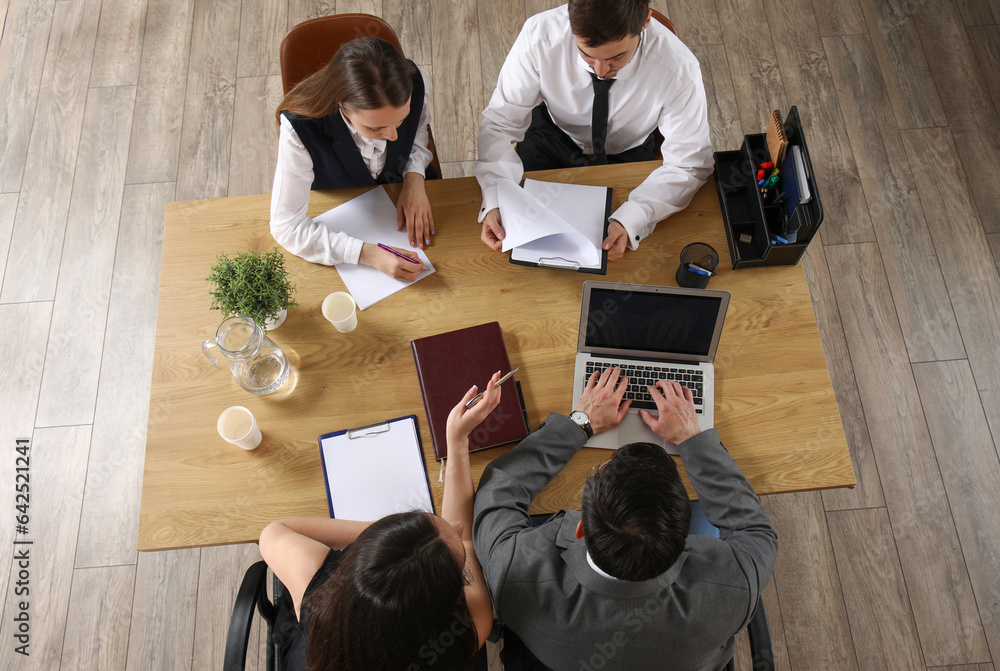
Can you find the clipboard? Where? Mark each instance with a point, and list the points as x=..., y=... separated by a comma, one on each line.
x=576, y=204
x=375, y=470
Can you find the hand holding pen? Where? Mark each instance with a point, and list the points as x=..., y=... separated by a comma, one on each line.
x=462, y=420
x=475, y=399
x=400, y=264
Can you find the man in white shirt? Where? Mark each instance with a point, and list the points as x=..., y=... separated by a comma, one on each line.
x=608, y=77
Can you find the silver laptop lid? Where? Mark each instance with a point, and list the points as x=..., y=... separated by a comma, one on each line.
x=651, y=322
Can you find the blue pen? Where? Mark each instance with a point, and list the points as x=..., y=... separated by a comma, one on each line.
x=698, y=270
x=777, y=239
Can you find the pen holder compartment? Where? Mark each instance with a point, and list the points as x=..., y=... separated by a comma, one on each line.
x=750, y=218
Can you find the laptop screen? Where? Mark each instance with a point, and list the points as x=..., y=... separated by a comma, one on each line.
x=651, y=322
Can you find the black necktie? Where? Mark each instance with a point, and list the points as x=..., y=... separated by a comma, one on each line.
x=599, y=123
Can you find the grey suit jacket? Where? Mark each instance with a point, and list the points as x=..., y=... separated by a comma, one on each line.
x=571, y=617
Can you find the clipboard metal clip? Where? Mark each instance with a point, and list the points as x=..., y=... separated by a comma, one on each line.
x=557, y=262
x=367, y=430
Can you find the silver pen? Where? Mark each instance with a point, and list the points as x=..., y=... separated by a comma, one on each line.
x=475, y=399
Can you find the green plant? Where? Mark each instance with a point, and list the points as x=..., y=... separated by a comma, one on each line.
x=252, y=283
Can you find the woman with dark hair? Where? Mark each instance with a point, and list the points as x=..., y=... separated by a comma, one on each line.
x=360, y=120
x=404, y=592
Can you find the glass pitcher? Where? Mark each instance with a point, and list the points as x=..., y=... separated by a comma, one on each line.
x=257, y=363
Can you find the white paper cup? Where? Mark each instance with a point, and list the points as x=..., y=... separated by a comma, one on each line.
x=238, y=426
x=340, y=310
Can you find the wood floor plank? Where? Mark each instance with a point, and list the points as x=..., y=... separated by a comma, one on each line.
x=8, y=208
x=100, y=608
x=159, y=106
x=839, y=17
x=532, y=7
x=986, y=44
x=411, y=19
x=944, y=607
x=959, y=238
x=885, y=636
x=58, y=462
x=868, y=491
x=994, y=239
x=263, y=25
x=40, y=222
x=161, y=634
x=964, y=667
x=458, y=169
x=723, y=112
x=79, y=315
x=251, y=163
x=216, y=595
x=903, y=64
x=24, y=328
x=120, y=36
x=373, y=7
x=303, y=10
x=816, y=629
x=918, y=289
x=808, y=82
x=970, y=109
x=207, y=131
x=970, y=468
x=776, y=626
x=458, y=79
x=980, y=12
x=504, y=19
x=696, y=22
x=114, y=475
x=22, y=57
x=756, y=77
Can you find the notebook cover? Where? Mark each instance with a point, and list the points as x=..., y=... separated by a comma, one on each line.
x=777, y=142
x=447, y=365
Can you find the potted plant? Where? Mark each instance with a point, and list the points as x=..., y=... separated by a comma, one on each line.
x=254, y=284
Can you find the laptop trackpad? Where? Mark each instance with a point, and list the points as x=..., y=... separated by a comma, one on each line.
x=634, y=430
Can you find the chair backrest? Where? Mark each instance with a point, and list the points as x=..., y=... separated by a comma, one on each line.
x=665, y=21
x=311, y=44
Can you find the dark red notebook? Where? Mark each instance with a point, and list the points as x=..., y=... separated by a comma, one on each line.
x=448, y=364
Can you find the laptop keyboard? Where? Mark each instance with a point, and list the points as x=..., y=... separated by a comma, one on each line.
x=642, y=376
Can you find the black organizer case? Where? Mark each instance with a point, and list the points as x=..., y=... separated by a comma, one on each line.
x=744, y=210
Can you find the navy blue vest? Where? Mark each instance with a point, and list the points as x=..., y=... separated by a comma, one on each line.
x=337, y=163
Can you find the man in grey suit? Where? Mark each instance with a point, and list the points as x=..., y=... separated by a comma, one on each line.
x=621, y=585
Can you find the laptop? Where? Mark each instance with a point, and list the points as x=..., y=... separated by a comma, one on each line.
x=652, y=333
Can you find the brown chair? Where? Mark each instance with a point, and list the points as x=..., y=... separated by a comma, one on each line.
x=665, y=21
x=311, y=44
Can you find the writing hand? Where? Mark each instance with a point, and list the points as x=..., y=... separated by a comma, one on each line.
x=390, y=264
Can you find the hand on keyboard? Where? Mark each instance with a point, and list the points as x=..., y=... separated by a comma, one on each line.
x=678, y=420
x=602, y=399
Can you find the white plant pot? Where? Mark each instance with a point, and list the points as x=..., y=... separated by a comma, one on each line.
x=277, y=321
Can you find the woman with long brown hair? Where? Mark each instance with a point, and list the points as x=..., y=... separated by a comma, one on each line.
x=404, y=592
x=360, y=120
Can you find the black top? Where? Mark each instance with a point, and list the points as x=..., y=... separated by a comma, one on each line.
x=337, y=163
x=291, y=636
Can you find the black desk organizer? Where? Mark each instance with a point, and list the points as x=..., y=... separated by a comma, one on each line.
x=746, y=211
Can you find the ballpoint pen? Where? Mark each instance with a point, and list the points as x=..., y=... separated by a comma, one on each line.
x=475, y=399
x=393, y=251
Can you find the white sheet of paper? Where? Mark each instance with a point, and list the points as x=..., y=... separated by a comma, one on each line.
x=378, y=474
x=537, y=220
x=371, y=217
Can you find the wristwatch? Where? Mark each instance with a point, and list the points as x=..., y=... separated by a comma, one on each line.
x=583, y=422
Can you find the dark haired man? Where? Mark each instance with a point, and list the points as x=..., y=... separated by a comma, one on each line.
x=623, y=585
x=607, y=76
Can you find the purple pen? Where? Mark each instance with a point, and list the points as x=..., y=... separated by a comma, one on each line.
x=393, y=251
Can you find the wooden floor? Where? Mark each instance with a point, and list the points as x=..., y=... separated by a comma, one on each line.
x=110, y=108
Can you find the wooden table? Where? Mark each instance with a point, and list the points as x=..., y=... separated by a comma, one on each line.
x=775, y=407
